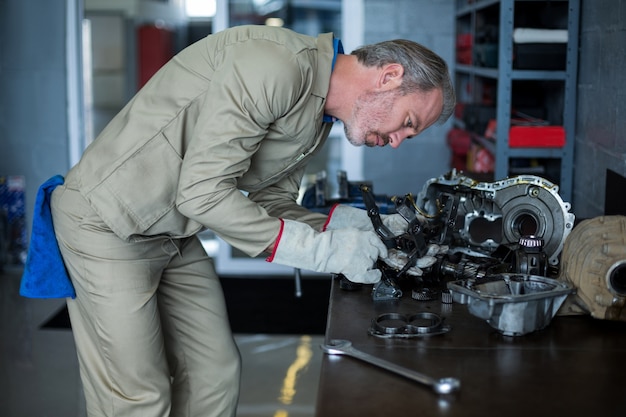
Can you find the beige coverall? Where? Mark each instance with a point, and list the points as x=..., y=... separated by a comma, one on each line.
x=238, y=110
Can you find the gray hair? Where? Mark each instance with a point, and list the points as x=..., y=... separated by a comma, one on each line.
x=423, y=69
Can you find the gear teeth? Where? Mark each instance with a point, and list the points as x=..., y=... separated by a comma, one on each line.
x=424, y=294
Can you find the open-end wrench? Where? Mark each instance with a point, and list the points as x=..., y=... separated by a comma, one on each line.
x=344, y=347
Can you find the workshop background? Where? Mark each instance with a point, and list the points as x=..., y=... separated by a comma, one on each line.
x=42, y=133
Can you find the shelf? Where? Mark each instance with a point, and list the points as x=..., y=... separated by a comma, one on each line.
x=515, y=74
x=534, y=152
x=480, y=71
x=477, y=5
x=538, y=75
x=518, y=152
x=551, y=92
x=327, y=5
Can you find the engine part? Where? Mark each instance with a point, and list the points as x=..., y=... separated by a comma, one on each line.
x=514, y=304
x=530, y=258
x=424, y=294
x=517, y=225
x=373, y=213
x=465, y=268
x=412, y=242
x=481, y=216
x=440, y=386
x=346, y=284
x=396, y=325
x=385, y=290
x=594, y=260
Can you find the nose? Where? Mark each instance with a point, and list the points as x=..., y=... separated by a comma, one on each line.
x=396, y=139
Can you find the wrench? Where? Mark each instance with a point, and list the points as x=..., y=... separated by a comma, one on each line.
x=344, y=347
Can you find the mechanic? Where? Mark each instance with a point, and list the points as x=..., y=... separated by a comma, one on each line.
x=219, y=139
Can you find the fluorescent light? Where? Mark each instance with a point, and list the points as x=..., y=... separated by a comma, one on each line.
x=274, y=21
x=200, y=8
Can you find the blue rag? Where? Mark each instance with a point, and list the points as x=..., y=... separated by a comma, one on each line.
x=44, y=274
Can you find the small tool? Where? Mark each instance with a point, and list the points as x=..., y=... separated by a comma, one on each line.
x=344, y=347
x=373, y=212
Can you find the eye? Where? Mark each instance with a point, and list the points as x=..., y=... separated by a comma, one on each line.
x=409, y=123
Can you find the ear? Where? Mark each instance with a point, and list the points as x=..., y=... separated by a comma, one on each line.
x=390, y=77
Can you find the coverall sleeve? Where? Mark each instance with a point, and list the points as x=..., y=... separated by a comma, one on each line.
x=251, y=87
x=280, y=200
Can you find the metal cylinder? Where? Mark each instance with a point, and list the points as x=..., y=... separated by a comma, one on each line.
x=530, y=258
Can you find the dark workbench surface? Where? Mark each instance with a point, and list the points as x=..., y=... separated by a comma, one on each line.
x=574, y=367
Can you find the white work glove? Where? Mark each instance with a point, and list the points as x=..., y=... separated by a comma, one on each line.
x=343, y=216
x=397, y=259
x=350, y=252
x=347, y=216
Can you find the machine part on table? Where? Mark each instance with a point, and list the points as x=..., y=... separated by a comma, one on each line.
x=463, y=269
x=412, y=244
x=386, y=235
x=530, y=258
x=594, y=260
x=457, y=265
x=481, y=216
x=395, y=325
x=344, y=347
x=424, y=294
x=517, y=225
x=514, y=304
x=385, y=290
x=346, y=284
x=446, y=297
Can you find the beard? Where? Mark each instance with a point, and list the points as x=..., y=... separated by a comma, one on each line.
x=370, y=111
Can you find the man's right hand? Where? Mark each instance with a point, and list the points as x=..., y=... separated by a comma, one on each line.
x=347, y=251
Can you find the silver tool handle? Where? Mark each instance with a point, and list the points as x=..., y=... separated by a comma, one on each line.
x=392, y=367
x=440, y=386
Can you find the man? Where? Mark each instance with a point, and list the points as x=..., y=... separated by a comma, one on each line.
x=241, y=110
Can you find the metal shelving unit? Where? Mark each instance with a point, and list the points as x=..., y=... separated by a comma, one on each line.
x=504, y=75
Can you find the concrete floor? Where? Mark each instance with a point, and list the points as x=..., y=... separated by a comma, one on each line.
x=39, y=371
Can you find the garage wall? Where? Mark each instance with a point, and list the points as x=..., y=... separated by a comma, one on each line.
x=33, y=86
x=431, y=23
x=33, y=103
x=601, y=113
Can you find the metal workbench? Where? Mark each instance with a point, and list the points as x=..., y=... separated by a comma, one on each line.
x=573, y=367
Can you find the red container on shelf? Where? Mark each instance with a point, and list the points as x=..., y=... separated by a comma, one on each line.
x=464, y=42
x=537, y=137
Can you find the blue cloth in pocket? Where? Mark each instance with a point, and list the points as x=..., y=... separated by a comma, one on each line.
x=44, y=274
